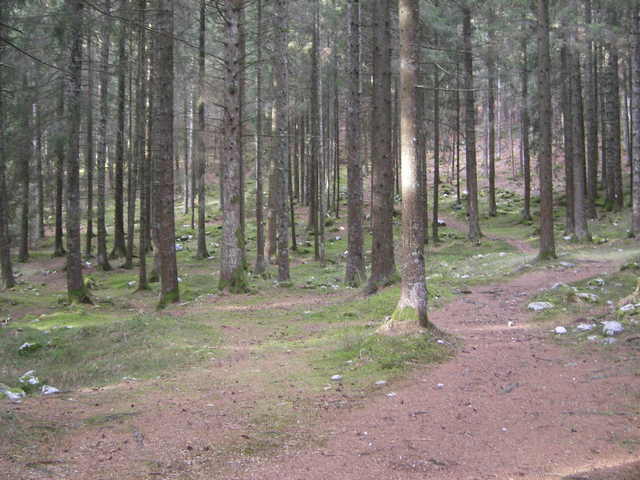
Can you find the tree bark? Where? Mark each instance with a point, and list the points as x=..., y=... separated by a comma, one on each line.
x=382, y=162
x=163, y=149
x=525, y=126
x=90, y=152
x=413, y=295
x=201, y=152
x=547, y=239
x=635, y=219
x=142, y=145
x=355, y=273
x=591, y=100
x=76, y=288
x=25, y=160
x=232, y=272
x=470, y=132
x=59, y=250
x=261, y=264
x=102, y=259
x=567, y=117
x=491, y=71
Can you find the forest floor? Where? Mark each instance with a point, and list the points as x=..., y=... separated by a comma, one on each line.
x=239, y=386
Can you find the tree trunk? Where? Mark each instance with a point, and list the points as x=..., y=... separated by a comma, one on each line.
x=119, y=245
x=470, y=132
x=315, y=192
x=525, y=123
x=382, y=161
x=591, y=120
x=201, y=149
x=567, y=117
x=635, y=218
x=232, y=272
x=491, y=70
x=142, y=145
x=355, y=273
x=76, y=288
x=413, y=295
x=281, y=149
x=59, y=250
x=261, y=264
x=90, y=159
x=436, y=153
x=547, y=240
x=6, y=268
x=102, y=259
x=24, y=162
x=162, y=144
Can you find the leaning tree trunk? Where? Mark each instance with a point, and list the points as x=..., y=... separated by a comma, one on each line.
x=232, y=272
x=281, y=86
x=382, y=253
x=76, y=288
x=547, y=240
x=355, y=273
x=102, y=258
x=413, y=295
x=470, y=132
x=162, y=144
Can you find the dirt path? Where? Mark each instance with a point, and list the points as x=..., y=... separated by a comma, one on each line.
x=511, y=405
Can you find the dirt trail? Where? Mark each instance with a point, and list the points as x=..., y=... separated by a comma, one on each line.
x=512, y=404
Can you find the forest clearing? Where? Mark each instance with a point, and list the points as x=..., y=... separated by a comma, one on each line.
x=319, y=239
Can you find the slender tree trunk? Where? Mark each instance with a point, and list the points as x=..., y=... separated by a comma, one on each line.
x=132, y=181
x=382, y=252
x=39, y=174
x=413, y=295
x=355, y=273
x=525, y=125
x=90, y=159
x=25, y=169
x=119, y=245
x=635, y=218
x=201, y=152
x=59, y=250
x=579, y=168
x=457, y=153
x=567, y=117
x=436, y=153
x=470, y=132
x=281, y=23
x=142, y=145
x=613, y=131
x=491, y=70
x=76, y=288
x=6, y=268
x=591, y=100
x=232, y=272
x=261, y=264
x=315, y=192
x=547, y=239
x=162, y=144
x=102, y=259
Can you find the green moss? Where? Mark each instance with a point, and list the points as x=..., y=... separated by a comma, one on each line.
x=81, y=295
x=169, y=297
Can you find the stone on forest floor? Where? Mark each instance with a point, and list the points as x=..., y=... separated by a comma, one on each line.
x=13, y=394
x=585, y=327
x=560, y=330
x=336, y=378
x=49, y=390
x=28, y=347
x=629, y=307
x=587, y=297
x=539, y=306
x=29, y=378
x=612, y=328
x=609, y=341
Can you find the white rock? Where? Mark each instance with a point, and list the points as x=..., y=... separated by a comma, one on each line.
x=49, y=390
x=179, y=247
x=585, y=327
x=381, y=382
x=596, y=282
x=13, y=394
x=558, y=285
x=336, y=378
x=609, y=341
x=567, y=238
x=510, y=323
x=592, y=338
x=440, y=342
x=539, y=306
x=567, y=264
x=391, y=394
x=132, y=283
x=612, y=328
x=560, y=330
x=440, y=385
x=629, y=307
x=29, y=378
x=588, y=297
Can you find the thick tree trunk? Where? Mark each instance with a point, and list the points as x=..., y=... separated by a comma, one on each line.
x=76, y=288
x=6, y=268
x=382, y=162
x=635, y=218
x=232, y=272
x=547, y=239
x=281, y=150
x=355, y=273
x=261, y=264
x=163, y=149
x=413, y=295
x=470, y=132
x=142, y=145
x=591, y=120
x=102, y=259
x=25, y=169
